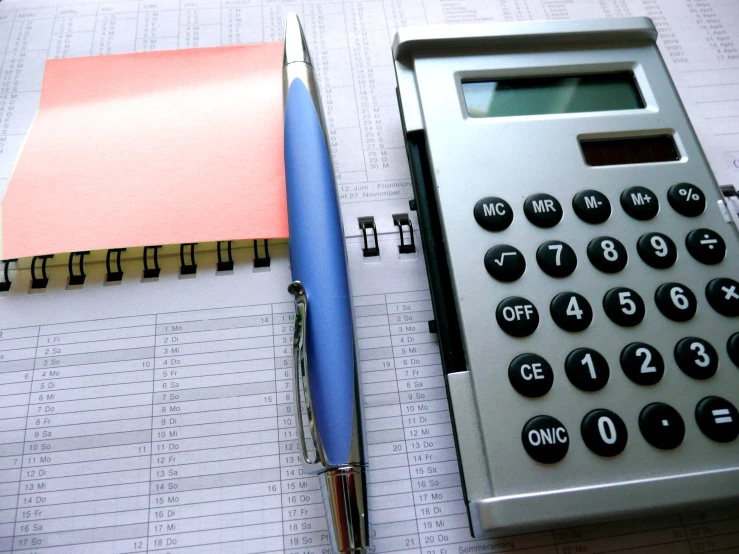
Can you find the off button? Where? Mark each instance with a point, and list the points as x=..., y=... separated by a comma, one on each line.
x=517, y=316
x=545, y=439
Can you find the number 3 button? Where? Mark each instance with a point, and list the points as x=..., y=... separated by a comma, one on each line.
x=607, y=254
x=696, y=357
x=642, y=363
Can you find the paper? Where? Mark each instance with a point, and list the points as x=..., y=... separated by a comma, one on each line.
x=416, y=499
x=153, y=148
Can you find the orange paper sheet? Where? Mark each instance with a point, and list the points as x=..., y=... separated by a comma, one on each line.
x=152, y=148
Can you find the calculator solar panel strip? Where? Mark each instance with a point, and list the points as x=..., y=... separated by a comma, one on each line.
x=459, y=161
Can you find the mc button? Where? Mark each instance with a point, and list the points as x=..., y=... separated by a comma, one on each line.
x=493, y=213
x=517, y=316
x=545, y=439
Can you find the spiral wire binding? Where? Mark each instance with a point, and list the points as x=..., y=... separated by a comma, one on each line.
x=191, y=268
x=365, y=224
x=225, y=265
x=151, y=272
x=77, y=279
x=5, y=285
x=40, y=282
x=114, y=276
x=263, y=261
x=399, y=220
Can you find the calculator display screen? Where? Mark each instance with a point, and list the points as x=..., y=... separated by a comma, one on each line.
x=552, y=95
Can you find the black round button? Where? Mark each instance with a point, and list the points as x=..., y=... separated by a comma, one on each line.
x=604, y=433
x=493, y=213
x=571, y=311
x=642, y=363
x=696, y=357
x=531, y=375
x=543, y=210
x=723, y=296
x=591, y=206
x=517, y=316
x=706, y=246
x=505, y=263
x=657, y=250
x=640, y=203
x=686, y=199
x=676, y=302
x=607, y=254
x=717, y=418
x=556, y=258
x=732, y=347
x=624, y=306
x=662, y=426
x=545, y=439
x=587, y=369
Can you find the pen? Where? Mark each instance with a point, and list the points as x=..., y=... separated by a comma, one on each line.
x=323, y=344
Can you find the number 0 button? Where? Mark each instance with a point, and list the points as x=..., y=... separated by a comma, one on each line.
x=556, y=258
x=696, y=357
x=517, y=316
x=604, y=433
x=571, y=311
x=607, y=254
x=642, y=363
x=676, y=302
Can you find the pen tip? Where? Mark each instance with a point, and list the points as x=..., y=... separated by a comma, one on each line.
x=296, y=49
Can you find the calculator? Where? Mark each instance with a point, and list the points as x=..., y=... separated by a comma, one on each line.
x=584, y=282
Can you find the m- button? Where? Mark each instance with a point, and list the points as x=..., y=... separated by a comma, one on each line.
x=493, y=213
x=517, y=316
x=545, y=439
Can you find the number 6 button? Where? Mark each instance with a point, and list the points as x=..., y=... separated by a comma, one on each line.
x=676, y=302
x=642, y=363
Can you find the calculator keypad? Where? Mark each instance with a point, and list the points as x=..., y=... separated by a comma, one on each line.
x=603, y=431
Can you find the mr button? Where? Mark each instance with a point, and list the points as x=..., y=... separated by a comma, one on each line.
x=517, y=316
x=545, y=439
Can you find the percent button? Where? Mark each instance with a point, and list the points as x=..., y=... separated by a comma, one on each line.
x=686, y=199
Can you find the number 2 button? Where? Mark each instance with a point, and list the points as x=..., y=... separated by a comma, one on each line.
x=642, y=363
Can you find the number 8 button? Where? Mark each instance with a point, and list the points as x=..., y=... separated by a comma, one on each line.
x=607, y=254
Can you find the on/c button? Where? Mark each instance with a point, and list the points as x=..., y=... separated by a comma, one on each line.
x=545, y=439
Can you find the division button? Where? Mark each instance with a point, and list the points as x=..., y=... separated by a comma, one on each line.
x=587, y=369
x=604, y=433
x=686, y=199
x=662, y=426
x=640, y=203
x=624, y=306
x=723, y=296
x=642, y=363
x=545, y=439
x=696, y=357
x=676, y=302
x=607, y=254
x=543, y=210
x=657, y=250
x=706, y=246
x=505, y=263
x=517, y=316
x=493, y=213
x=591, y=206
x=556, y=258
x=732, y=347
x=717, y=418
x=571, y=311
x=531, y=375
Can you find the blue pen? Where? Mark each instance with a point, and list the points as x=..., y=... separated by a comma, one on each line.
x=323, y=345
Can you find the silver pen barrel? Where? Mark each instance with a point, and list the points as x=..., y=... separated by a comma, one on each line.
x=343, y=486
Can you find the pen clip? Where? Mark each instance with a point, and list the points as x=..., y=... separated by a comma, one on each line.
x=300, y=369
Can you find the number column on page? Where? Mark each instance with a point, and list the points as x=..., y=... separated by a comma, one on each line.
x=17, y=354
x=391, y=506
x=88, y=431
x=215, y=467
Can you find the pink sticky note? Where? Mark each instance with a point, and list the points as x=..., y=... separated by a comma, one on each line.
x=151, y=148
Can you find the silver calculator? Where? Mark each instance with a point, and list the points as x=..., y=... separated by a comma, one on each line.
x=584, y=281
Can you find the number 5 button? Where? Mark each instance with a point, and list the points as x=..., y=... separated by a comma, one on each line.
x=624, y=306
x=642, y=363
